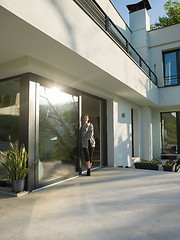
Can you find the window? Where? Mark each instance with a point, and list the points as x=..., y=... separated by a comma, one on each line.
x=9, y=115
x=170, y=125
x=58, y=127
x=171, y=68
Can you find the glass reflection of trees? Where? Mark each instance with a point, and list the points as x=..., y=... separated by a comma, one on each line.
x=58, y=125
x=9, y=115
x=169, y=132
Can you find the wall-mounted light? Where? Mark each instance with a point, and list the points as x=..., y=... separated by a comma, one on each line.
x=123, y=115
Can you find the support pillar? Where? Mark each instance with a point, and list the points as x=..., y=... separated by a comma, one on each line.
x=147, y=143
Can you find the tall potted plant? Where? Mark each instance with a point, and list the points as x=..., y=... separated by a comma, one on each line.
x=15, y=163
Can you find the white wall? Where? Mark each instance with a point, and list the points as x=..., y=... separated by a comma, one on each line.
x=162, y=40
x=140, y=25
x=110, y=133
x=147, y=141
x=169, y=96
x=139, y=20
x=122, y=133
x=136, y=130
x=111, y=11
x=74, y=43
x=147, y=133
x=156, y=123
x=95, y=64
x=143, y=141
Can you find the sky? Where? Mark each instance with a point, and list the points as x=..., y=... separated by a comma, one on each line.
x=157, y=9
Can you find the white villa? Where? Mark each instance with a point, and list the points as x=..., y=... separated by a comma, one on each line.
x=60, y=59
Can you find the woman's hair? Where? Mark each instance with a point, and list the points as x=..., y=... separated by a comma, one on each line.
x=84, y=115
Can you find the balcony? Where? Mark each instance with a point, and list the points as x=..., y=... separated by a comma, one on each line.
x=171, y=80
x=96, y=13
x=73, y=50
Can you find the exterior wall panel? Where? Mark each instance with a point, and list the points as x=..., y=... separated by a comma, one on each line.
x=99, y=49
x=161, y=40
x=122, y=133
x=59, y=41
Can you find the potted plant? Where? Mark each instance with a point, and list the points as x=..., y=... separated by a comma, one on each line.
x=15, y=163
x=148, y=164
x=169, y=165
x=141, y=165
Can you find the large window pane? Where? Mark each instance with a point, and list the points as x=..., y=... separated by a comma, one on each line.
x=9, y=115
x=169, y=132
x=58, y=132
x=170, y=68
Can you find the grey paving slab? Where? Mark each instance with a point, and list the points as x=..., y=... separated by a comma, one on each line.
x=113, y=203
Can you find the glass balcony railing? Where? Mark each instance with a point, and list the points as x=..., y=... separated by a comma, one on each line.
x=96, y=13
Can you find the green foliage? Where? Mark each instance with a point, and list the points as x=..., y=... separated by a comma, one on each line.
x=15, y=162
x=144, y=161
x=172, y=135
x=172, y=16
x=170, y=162
x=58, y=131
x=7, y=100
x=9, y=125
x=156, y=161
x=153, y=161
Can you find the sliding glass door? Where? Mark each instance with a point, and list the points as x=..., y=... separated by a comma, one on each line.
x=9, y=115
x=58, y=134
x=92, y=107
x=47, y=121
x=170, y=132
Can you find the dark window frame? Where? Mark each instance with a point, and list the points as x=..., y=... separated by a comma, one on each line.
x=28, y=129
x=132, y=129
x=177, y=51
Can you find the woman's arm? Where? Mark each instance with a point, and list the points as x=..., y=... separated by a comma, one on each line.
x=90, y=132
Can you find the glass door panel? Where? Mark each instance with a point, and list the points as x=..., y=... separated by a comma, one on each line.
x=9, y=115
x=91, y=106
x=169, y=132
x=58, y=134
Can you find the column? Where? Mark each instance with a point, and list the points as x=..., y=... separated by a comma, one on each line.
x=147, y=144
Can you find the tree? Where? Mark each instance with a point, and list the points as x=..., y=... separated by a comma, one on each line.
x=172, y=16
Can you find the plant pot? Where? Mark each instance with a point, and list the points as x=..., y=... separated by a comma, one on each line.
x=153, y=166
x=148, y=166
x=139, y=165
x=2, y=183
x=168, y=168
x=18, y=185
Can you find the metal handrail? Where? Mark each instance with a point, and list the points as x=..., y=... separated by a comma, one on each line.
x=171, y=80
x=107, y=26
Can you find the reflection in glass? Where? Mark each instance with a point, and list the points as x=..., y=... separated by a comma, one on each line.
x=9, y=115
x=170, y=68
x=169, y=132
x=58, y=132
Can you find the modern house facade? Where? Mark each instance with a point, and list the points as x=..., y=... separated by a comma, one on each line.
x=60, y=59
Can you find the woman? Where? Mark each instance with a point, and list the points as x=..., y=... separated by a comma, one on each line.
x=87, y=141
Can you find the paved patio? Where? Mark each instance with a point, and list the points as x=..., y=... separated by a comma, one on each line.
x=112, y=204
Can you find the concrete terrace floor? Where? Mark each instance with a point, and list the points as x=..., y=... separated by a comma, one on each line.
x=112, y=204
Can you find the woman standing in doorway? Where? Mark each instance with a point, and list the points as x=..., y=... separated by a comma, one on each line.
x=87, y=141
